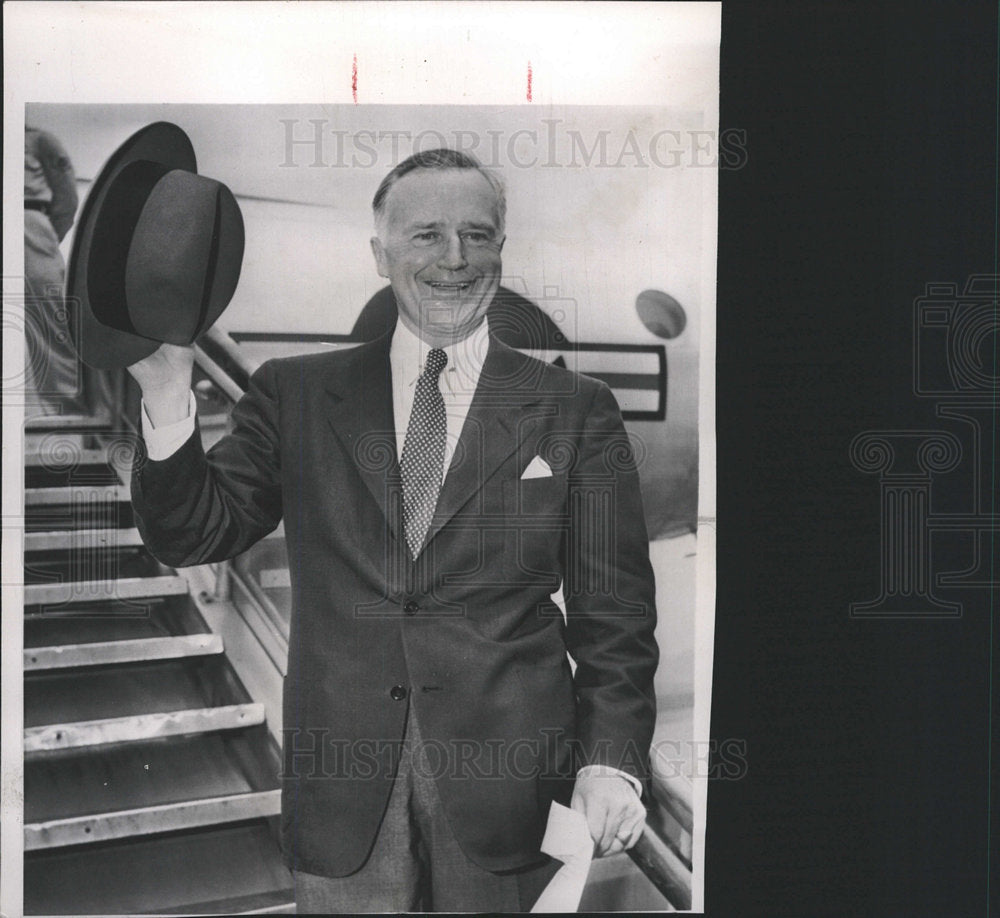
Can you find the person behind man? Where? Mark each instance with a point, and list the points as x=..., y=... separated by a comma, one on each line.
x=56, y=382
x=50, y=200
x=437, y=488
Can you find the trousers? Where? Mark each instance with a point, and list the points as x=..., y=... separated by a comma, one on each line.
x=416, y=864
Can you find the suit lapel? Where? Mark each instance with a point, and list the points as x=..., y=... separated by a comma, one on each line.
x=360, y=415
x=494, y=428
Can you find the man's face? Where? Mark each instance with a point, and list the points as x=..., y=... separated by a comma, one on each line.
x=439, y=247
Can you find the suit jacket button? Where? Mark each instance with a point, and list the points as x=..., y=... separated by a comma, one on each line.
x=411, y=608
x=397, y=693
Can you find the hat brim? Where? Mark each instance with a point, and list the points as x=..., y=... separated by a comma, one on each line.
x=97, y=344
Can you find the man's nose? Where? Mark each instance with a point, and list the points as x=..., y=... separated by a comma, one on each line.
x=453, y=255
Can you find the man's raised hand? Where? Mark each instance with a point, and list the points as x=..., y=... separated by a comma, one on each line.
x=165, y=379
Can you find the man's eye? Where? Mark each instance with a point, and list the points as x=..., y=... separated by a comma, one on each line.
x=425, y=238
x=477, y=237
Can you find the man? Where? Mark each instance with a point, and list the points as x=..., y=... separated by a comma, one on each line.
x=437, y=488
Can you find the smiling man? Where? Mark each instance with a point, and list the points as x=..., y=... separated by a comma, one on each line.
x=437, y=490
x=440, y=234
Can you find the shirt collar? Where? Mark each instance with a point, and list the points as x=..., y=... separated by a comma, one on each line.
x=407, y=354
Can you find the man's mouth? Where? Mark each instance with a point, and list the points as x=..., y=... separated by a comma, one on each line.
x=448, y=288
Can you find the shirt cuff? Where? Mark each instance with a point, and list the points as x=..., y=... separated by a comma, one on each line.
x=163, y=442
x=608, y=770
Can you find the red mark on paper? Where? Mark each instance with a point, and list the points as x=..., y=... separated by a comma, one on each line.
x=529, y=81
x=354, y=79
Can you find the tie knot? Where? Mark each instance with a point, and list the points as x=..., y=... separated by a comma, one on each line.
x=435, y=363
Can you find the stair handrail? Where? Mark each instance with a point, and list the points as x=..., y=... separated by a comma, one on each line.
x=220, y=358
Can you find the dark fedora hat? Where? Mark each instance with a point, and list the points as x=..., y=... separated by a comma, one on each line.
x=157, y=251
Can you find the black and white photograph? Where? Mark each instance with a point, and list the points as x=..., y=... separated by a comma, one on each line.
x=367, y=468
x=498, y=457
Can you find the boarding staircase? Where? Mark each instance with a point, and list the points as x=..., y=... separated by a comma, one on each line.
x=150, y=772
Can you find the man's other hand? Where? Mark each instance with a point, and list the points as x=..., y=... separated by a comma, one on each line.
x=165, y=379
x=615, y=814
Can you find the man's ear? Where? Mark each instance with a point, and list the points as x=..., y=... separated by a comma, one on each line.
x=379, y=252
x=503, y=239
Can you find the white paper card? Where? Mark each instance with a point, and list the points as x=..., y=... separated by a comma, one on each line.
x=567, y=839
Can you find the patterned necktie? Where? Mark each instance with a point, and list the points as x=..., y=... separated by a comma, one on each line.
x=422, y=460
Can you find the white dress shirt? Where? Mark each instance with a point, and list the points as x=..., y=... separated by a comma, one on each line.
x=457, y=382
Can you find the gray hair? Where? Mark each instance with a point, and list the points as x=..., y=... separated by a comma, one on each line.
x=438, y=159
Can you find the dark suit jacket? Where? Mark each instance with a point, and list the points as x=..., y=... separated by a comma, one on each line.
x=467, y=634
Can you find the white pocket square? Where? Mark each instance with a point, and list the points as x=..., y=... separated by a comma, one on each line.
x=537, y=468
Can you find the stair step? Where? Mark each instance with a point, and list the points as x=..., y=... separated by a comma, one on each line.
x=97, y=622
x=93, y=780
x=78, y=514
x=82, y=539
x=69, y=696
x=100, y=653
x=76, y=494
x=37, y=594
x=48, y=443
x=60, y=422
x=156, y=874
x=140, y=727
x=167, y=817
x=46, y=476
x=86, y=565
x=54, y=453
